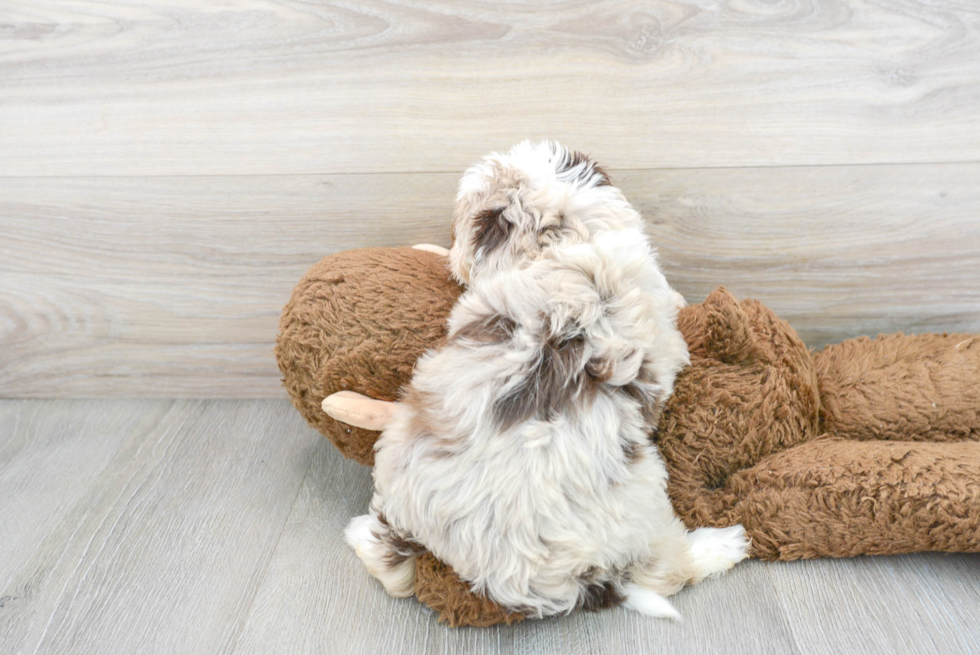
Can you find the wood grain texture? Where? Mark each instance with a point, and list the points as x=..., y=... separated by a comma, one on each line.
x=50, y=453
x=902, y=605
x=141, y=526
x=318, y=598
x=165, y=548
x=172, y=287
x=174, y=87
x=839, y=252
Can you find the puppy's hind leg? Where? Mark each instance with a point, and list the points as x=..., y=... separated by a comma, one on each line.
x=679, y=558
x=388, y=557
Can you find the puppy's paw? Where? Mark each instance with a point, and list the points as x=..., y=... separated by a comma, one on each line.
x=365, y=534
x=362, y=539
x=715, y=550
x=649, y=603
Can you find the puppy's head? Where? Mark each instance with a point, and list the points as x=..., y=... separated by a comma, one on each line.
x=510, y=207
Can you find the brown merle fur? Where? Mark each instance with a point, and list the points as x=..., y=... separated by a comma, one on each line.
x=400, y=547
x=494, y=328
x=631, y=451
x=492, y=230
x=598, y=596
x=587, y=168
x=555, y=379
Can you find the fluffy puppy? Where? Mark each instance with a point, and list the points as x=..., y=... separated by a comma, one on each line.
x=520, y=454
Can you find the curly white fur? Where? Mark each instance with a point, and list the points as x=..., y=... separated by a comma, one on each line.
x=521, y=454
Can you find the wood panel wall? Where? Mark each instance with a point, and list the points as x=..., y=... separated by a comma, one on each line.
x=169, y=169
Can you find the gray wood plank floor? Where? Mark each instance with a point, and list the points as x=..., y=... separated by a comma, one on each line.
x=143, y=526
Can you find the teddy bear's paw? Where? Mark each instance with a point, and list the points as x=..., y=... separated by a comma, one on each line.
x=715, y=550
x=648, y=602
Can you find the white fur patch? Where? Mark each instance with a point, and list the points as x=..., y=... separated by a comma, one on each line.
x=715, y=550
x=361, y=535
x=520, y=455
x=649, y=603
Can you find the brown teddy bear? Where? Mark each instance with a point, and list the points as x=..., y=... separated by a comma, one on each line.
x=870, y=446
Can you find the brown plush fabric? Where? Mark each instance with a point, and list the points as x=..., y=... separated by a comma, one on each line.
x=760, y=432
x=750, y=391
x=868, y=447
x=839, y=498
x=923, y=387
x=359, y=320
x=440, y=588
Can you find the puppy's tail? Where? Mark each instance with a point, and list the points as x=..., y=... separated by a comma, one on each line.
x=649, y=603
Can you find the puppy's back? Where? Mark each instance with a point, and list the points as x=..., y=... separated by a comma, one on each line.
x=521, y=457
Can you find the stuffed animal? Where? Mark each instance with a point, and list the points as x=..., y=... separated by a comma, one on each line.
x=870, y=446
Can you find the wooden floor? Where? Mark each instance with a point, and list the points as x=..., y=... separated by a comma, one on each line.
x=160, y=526
x=170, y=168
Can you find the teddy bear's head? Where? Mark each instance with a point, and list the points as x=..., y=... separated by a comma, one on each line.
x=358, y=321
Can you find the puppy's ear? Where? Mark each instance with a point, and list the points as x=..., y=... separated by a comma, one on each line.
x=577, y=166
x=491, y=230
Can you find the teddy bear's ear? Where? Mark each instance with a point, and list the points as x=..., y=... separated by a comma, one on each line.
x=719, y=328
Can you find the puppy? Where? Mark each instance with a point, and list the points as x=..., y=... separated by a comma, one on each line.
x=520, y=454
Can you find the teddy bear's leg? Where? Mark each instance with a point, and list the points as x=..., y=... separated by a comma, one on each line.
x=387, y=556
x=923, y=387
x=840, y=498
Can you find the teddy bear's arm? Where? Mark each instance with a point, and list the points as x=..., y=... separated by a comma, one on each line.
x=917, y=387
x=835, y=497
